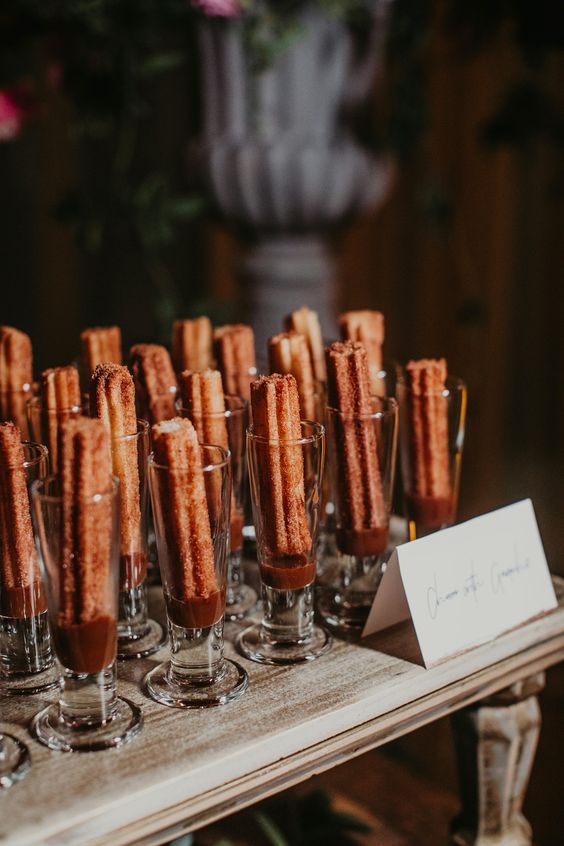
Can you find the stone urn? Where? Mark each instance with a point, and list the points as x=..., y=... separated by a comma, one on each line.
x=278, y=156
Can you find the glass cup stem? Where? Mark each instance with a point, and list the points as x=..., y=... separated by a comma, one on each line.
x=288, y=615
x=196, y=654
x=26, y=659
x=88, y=699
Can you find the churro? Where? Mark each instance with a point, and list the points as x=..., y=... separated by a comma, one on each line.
x=21, y=592
x=203, y=400
x=192, y=344
x=155, y=382
x=16, y=375
x=288, y=353
x=363, y=518
x=100, y=345
x=306, y=321
x=60, y=399
x=367, y=327
x=234, y=347
x=112, y=400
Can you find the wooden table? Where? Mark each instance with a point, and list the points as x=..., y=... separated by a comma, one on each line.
x=190, y=767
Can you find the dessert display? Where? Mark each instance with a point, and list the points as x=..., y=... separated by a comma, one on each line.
x=155, y=382
x=112, y=400
x=367, y=327
x=286, y=556
x=305, y=321
x=288, y=352
x=194, y=597
x=192, y=344
x=234, y=348
x=428, y=490
x=60, y=400
x=21, y=587
x=100, y=345
x=85, y=632
x=363, y=517
x=16, y=375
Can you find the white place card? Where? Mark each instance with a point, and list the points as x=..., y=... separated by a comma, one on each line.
x=466, y=585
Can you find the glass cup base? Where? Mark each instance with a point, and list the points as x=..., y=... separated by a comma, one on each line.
x=255, y=645
x=28, y=684
x=244, y=600
x=161, y=686
x=14, y=760
x=52, y=731
x=151, y=641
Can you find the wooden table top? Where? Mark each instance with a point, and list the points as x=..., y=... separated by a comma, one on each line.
x=190, y=767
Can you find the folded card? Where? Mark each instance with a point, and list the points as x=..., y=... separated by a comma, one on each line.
x=466, y=585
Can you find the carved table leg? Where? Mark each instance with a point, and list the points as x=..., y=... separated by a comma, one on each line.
x=496, y=740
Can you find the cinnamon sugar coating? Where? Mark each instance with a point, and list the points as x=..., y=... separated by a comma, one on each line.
x=234, y=348
x=18, y=556
x=367, y=327
x=16, y=360
x=276, y=417
x=358, y=472
x=288, y=353
x=99, y=345
x=113, y=402
x=306, y=321
x=155, y=381
x=85, y=468
x=184, y=510
x=203, y=399
x=192, y=344
x=428, y=418
x=60, y=393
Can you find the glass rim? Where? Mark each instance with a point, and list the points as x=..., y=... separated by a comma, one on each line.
x=143, y=428
x=207, y=468
x=37, y=403
x=391, y=411
x=25, y=389
x=42, y=452
x=319, y=431
x=36, y=492
x=253, y=370
x=217, y=415
x=453, y=385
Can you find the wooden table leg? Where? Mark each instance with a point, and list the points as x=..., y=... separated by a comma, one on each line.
x=496, y=741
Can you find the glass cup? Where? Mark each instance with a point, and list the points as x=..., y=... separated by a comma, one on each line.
x=14, y=760
x=26, y=658
x=13, y=406
x=362, y=454
x=82, y=585
x=197, y=674
x=428, y=510
x=240, y=598
x=286, y=634
x=138, y=635
x=44, y=426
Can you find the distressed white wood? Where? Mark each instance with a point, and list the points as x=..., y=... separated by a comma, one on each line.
x=190, y=767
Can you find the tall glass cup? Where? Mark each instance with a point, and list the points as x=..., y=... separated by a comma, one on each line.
x=44, y=426
x=422, y=446
x=197, y=674
x=286, y=634
x=26, y=659
x=82, y=599
x=362, y=454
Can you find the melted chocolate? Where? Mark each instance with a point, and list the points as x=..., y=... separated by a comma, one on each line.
x=428, y=511
x=22, y=602
x=133, y=570
x=87, y=647
x=198, y=612
x=288, y=573
x=363, y=542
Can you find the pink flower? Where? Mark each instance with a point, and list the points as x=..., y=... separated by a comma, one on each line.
x=218, y=8
x=11, y=116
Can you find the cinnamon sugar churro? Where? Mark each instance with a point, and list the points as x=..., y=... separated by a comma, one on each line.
x=86, y=629
x=60, y=400
x=204, y=401
x=99, y=345
x=155, y=382
x=367, y=327
x=16, y=375
x=21, y=590
x=288, y=353
x=429, y=491
x=363, y=516
x=306, y=321
x=193, y=595
x=112, y=400
x=234, y=347
x=192, y=344
x=286, y=555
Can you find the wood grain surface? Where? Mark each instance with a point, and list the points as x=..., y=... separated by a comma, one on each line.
x=190, y=767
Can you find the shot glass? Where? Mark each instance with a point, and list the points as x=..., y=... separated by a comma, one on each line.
x=138, y=635
x=197, y=675
x=44, y=426
x=14, y=760
x=422, y=446
x=26, y=658
x=240, y=598
x=287, y=633
x=362, y=454
x=84, y=621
